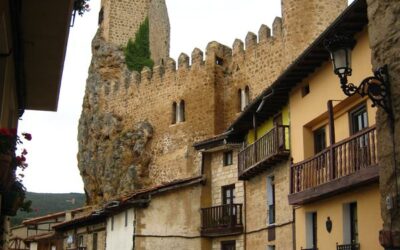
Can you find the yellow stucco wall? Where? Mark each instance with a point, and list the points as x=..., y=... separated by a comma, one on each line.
x=266, y=126
x=368, y=214
x=309, y=112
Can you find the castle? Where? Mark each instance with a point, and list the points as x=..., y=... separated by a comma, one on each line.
x=129, y=135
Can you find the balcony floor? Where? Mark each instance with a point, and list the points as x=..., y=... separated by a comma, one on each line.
x=264, y=164
x=340, y=185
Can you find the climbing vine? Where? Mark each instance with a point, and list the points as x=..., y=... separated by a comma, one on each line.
x=137, y=52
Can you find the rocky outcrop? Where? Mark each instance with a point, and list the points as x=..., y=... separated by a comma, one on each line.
x=112, y=157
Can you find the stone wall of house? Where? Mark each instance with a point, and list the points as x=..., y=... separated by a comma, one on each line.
x=171, y=221
x=126, y=136
x=257, y=210
x=384, y=36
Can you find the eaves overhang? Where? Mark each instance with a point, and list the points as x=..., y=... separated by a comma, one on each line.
x=40, y=34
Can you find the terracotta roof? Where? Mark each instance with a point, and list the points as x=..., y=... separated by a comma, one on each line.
x=90, y=219
x=125, y=201
x=164, y=187
x=38, y=237
x=52, y=216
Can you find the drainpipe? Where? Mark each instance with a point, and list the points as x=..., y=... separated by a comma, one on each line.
x=245, y=217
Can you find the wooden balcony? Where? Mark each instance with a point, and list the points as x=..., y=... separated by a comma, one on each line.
x=349, y=163
x=266, y=151
x=222, y=220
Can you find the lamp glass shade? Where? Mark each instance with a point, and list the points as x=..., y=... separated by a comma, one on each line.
x=341, y=59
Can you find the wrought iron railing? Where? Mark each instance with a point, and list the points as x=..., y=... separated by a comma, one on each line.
x=354, y=246
x=269, y=145
x=341, y=159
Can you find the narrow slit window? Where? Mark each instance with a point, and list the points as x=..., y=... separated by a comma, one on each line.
x=173, y=113
x=181, y=117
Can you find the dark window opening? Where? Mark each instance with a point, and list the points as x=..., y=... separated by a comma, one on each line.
x=305, y=90
x=228, y=194
x=182, y=111
x=228, y=245
x=358, y=119
x=319, y=140
x=173, y=113
x=228, y=158
x=271, y=199
x=314, y=229
x=219, y=60
x=353, y=223
x=94, y=245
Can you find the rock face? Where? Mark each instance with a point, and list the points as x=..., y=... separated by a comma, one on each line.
x=384, y=26
x=112, y=157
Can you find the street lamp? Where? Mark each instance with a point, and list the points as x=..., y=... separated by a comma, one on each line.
x=376, y=87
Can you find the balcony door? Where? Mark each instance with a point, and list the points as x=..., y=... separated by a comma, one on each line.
x=361, y=150
x=278, y=121
x=228, y=199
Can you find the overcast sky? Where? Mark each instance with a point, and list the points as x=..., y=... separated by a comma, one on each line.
x=53, y=151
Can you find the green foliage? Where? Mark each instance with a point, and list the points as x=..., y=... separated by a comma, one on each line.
x=137, y=53
x=41, y=204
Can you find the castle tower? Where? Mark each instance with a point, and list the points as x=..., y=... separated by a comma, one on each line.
x=120, y=19
x=304, y=20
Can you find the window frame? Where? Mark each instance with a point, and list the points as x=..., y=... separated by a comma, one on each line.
x=227, y=161
x=224, y=198
x=354, y=113
x=317, y=134
x=228, y=244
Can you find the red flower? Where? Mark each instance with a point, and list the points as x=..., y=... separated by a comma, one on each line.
x=27, y=136
x=24, y=152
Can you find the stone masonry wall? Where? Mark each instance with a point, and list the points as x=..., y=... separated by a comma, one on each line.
x=384, y=37
x=221, y=176
x=257, y=210
x=303, y=21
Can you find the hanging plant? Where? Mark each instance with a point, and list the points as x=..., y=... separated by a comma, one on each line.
x=81, y=6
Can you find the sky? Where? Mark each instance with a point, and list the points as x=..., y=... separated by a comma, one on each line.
x=52, y=153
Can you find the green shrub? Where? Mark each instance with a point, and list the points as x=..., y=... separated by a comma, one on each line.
x=137, y=53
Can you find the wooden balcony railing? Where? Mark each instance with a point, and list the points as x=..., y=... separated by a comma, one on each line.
x=222, y=220
x=347, y=157
x=354, y=246
x=270, y=148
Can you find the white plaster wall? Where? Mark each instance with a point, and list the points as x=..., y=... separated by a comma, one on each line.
x=33, y=246
x=121, y=236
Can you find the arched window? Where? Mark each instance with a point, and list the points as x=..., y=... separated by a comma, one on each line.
x=244, y=97
x=181, y=116
x=174, y=113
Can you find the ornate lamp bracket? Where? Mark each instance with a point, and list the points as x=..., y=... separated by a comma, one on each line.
x=376, y=87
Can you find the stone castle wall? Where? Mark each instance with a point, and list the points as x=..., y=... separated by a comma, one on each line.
x=123, y=105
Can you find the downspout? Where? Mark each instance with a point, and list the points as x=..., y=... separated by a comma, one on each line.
x=245, y=216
